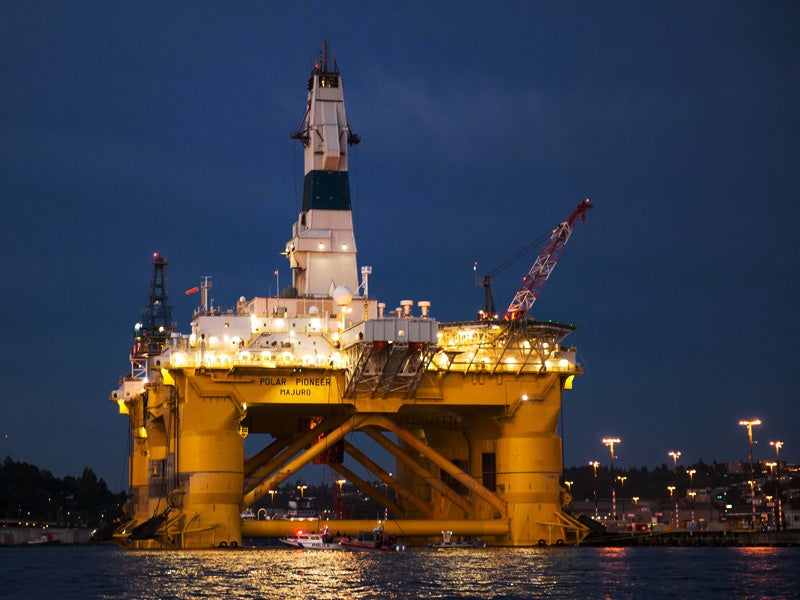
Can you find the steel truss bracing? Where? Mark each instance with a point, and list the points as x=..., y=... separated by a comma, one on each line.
x=388, y=368
x=299, y=454
x=522, y=342
x=507, y=346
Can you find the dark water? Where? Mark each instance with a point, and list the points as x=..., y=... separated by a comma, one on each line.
x=108, y=572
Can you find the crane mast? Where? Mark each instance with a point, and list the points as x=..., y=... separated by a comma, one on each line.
x=544, y=264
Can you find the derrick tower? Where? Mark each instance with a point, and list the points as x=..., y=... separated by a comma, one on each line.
x=467, y=411
x=156, y=324
x=322, y=251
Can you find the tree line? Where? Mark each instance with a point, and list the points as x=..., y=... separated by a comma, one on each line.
x=33, y=495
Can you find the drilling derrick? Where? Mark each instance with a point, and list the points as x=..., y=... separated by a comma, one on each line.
x=156, y=325
x=467, y=411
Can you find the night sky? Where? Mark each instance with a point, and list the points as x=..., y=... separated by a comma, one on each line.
x=129, y=128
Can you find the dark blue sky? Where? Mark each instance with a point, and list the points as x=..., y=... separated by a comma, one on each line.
x=134, y=127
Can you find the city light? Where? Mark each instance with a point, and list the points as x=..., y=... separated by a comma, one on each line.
x=595, y=464
x=610, y=441
x=672, y=494
x=621, y=479
x=750, y=423
x=675, y=454
x=777, y=444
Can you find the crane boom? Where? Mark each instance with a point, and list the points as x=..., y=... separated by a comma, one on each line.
x=544, y=264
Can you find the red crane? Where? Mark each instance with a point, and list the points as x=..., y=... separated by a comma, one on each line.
x=544, y=264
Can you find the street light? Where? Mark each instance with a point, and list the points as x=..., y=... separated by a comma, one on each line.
x=771, y=503
x=595, y=464
x=569, y=488
x=777, y=444
x=691, y=473
x=302, y=489
x=610, y=441
x=338, y=501
x=675, y=454
x=621, y=479
x=671, y=489
x=750, y=423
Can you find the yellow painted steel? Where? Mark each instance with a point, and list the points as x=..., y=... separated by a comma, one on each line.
x=188, y=455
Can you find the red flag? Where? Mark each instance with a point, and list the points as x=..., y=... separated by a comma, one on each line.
x=192, y=290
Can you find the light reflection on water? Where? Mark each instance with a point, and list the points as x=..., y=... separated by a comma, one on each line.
x=107, y=572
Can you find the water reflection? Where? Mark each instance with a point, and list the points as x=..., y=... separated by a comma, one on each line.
x=615, y=569
x=508, y=573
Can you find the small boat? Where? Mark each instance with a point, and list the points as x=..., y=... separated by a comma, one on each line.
x=447, y=541
x=46, y=539
x=373, y=541
x=312, y=541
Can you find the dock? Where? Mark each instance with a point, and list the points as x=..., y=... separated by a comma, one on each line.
x=683, y=537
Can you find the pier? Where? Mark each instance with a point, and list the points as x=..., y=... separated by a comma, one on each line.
x=683, y=537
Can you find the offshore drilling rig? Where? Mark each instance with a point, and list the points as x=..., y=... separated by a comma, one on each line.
x=468, y=410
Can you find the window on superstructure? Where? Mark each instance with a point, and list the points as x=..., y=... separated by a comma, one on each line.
x=328, y=81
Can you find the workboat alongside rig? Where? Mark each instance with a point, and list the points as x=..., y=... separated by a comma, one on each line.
x=375, y=540
x=468, y=410
x=304, y=540
x=447, y=542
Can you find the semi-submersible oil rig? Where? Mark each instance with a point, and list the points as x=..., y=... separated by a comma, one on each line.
x=468, y=410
